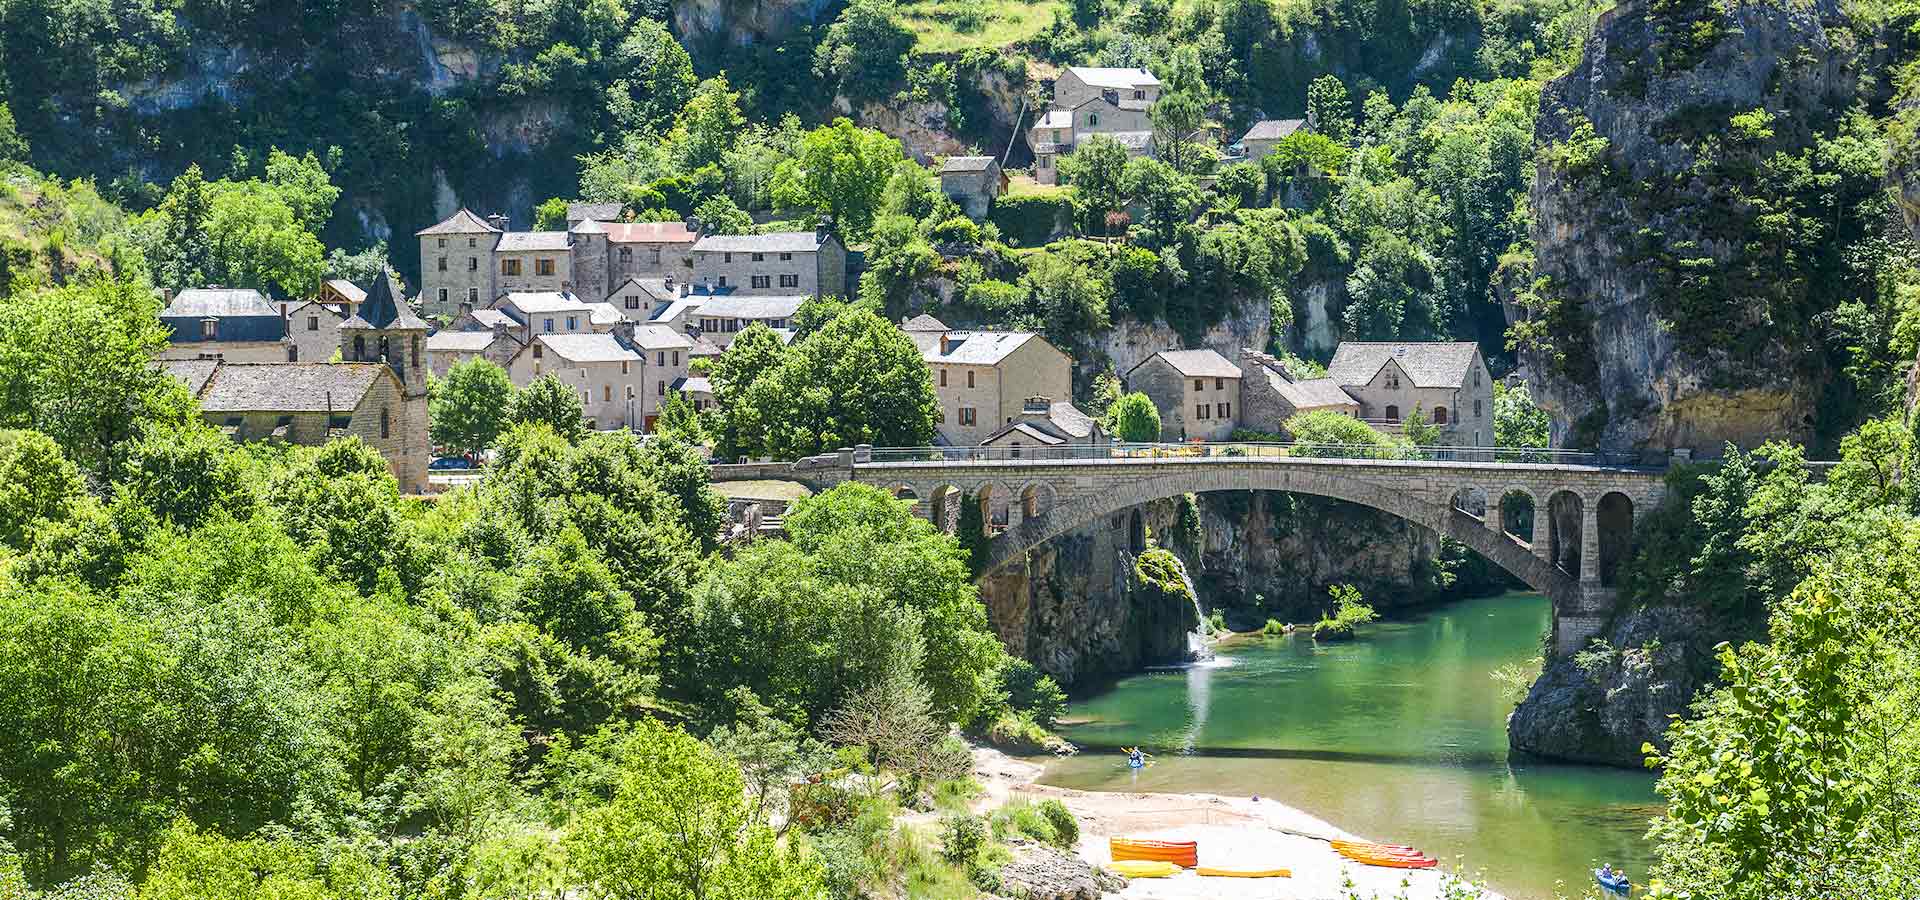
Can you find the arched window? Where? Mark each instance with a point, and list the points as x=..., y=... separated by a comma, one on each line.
x=1393, y=413
x=1439, y=415
x=1093, y=120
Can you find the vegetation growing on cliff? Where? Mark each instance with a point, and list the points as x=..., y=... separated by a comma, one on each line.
x=1343, y=621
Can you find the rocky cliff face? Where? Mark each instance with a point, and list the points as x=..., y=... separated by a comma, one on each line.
x=1076, y=611
x=1601, y=705
x=1633, y=228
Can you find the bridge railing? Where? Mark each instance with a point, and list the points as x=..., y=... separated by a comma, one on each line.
x=1236, y=450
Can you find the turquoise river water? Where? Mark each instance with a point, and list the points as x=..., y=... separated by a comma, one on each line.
x=1399, y=736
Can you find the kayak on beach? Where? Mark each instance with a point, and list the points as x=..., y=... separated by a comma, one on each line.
x=1185, y=854
x=1217, y=872
x=1394, y=856
x=1144, y=868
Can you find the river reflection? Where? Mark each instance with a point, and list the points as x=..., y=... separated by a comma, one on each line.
x=1399, y=736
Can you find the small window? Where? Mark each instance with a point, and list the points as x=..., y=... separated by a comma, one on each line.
x=1200, y=412
x=662, y=385
x=1393, y=413
x=473, y=295
x=786, y=257
x=759, y=257
x=537, y=351
x=414, y=352
x=1476, y=377
x=1219, y=410
x=633, y=302
x=624, y=364
x=776, y=324
x=969, y=415
x=943, y=378
x=1139, y=95
x=723, y=281
x=1219, y=384
x=473, y=263
x=1439, y=415
x=789, y=281
x=359, y=347
x=510, y=267
x=443, y=295
x=663, y=358
x=543, y=266
x=629, y=392
x=293, y=353
x=1093, y=120
x=606, y=393
x=626, y=255
x=1476, y=408
x=969, y=378
x=546, y=324
x=442, y=263
x=726, y=257
x=313, y=322
x=762, y=281
x=1199, y=385
x=386, y=422
x=473, y=242
x=676, y=357
x=573, y=323
x=442, y=242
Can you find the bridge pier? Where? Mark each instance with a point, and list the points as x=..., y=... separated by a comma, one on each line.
x=1589, y=545
x=1579, y=617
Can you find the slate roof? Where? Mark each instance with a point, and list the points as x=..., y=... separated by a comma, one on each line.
x=492, y=317
x=460, y=341
x=924, y=322
x=967, y=164
x=1314, y=393
x=1196, y=363
x=600, y=212
x=1113, y=78
x=316, y=307
x=1272, y=129
x=660, y=337
x=193, y=373
x=289, y=387
x=384, y=309
x=587, y=348
x=680, y=308
x=588, y=226
x=199, y=303
x=697, y=384
x=1062, y=423
x=737, y=306
x=979, y=348
x=1132, y=140
x=650, y=233
x=521, y=241
x=538, y=302
x=1427, y=363
x=704, y=346
x=1055, y=118
x=776, y=242
x=348, y=290
x=462, y=222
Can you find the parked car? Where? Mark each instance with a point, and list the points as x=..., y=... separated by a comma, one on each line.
x=449, y=464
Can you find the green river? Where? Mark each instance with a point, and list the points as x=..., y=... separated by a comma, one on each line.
x=1399, y=736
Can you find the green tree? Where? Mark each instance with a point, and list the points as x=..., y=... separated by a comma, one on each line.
x=1330, y=109
x=1517, y=422
x=858, y=380
x=754, y=354
x=1095, y=169
x=1325, y=432
x=1181, y=112
x=655, y=78
x=467, y=409
x=707, y=126
x=679, y=827
x=469, y=750
x=865, y=50
x=38, y=485
x=76, y=364
x=720, y=215
x=187, y=474
x=550, y=215
x=13, y=147
x=898, y=260
x=678, y=420
x=203, y=865
x=550, y=402
x=840, y=172
x=1133, y=418
x=1418, y=430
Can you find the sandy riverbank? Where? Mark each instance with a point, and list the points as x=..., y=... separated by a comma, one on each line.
x=1231, y=831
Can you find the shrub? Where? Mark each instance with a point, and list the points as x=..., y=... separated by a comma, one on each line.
x=1349, y=613
x=1030, y=220
x=962, y=838
x=1066, y=829
x=1019, y=817
x=1274, y=626
x=1034, y=692
x=958, y=230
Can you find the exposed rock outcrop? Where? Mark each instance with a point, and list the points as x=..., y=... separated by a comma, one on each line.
x=1039, y=872
x=1602, y=704
x=1628, y=231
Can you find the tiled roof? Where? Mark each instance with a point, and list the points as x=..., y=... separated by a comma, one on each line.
x=650, y=233
x=521, y=241
x=1113, y=78
x=289, y=387
x=1428, y=363
x=460, y=341
x=967, y=164
x=776, y=242
x=588, y=226
x=660, y=337
x=924, y=322
x=1313, y=393
x=1197, y=363
x=190, y=372
x=587, y=348
x=738, y=306
x=312, y=307
x=462, y=222
x=384, y=309
x=704, y=346
x=680, y=308
x=980, y=348
x=1272, y=129
x=601, y=212
x=200, y=303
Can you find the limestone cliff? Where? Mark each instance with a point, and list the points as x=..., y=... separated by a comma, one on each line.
x=1665, y=326
x=1074, y=609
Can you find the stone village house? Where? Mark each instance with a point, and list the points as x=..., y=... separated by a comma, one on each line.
x=974, y=182
x=1194, y=390
x=983, y=380
x=1089, y=101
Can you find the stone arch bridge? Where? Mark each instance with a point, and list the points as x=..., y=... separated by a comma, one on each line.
x=1582, y=510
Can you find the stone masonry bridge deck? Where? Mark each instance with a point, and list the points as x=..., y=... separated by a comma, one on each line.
x=1582, y=509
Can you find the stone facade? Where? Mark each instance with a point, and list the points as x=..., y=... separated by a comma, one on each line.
x=1196, y=391
x=1269, y=396
x=1089, y=101
x=1448, y=382
x=983, y=379
x=467, y=262
x=810, y=263
x=313, y=333
x=974, y=182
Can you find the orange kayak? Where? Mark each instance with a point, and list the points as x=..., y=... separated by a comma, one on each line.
x=1180, y=853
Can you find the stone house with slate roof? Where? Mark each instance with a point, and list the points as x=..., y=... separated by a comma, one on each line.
x=313, y=331
x=788, y=263
x=1269, y=396
x=221, y=323
x=1045, y=422
x=1447, y=381
x=1196, y=391
x=974, y=182
x=1089, y=101
x=623, y=376
x=468, y=262
x=722, y=318
x=982, y=380
x=1265, y=134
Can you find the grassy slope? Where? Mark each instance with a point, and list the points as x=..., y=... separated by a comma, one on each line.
x=1003, y=23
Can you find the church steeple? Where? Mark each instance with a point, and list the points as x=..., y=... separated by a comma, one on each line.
x=385, y=329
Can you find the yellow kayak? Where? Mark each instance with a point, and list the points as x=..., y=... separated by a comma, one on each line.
x=1144, y=868
x=1218, y=872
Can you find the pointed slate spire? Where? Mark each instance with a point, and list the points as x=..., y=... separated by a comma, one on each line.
x=384, y=310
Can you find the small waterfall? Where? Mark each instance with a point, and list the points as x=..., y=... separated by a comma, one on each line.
x=1197, y=646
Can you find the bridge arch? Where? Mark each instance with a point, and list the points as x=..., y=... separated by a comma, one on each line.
x=1613, y=516
x=1566, y=530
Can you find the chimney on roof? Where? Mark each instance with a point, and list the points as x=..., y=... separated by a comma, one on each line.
x=466, y=309
x=695, y=225
x=686, y=289
x=498, y=220
x=669, y=282
x=946, y=344
x=823, y=230
x=623, y=330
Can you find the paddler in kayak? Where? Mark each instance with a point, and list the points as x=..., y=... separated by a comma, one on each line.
x=1135, y=759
